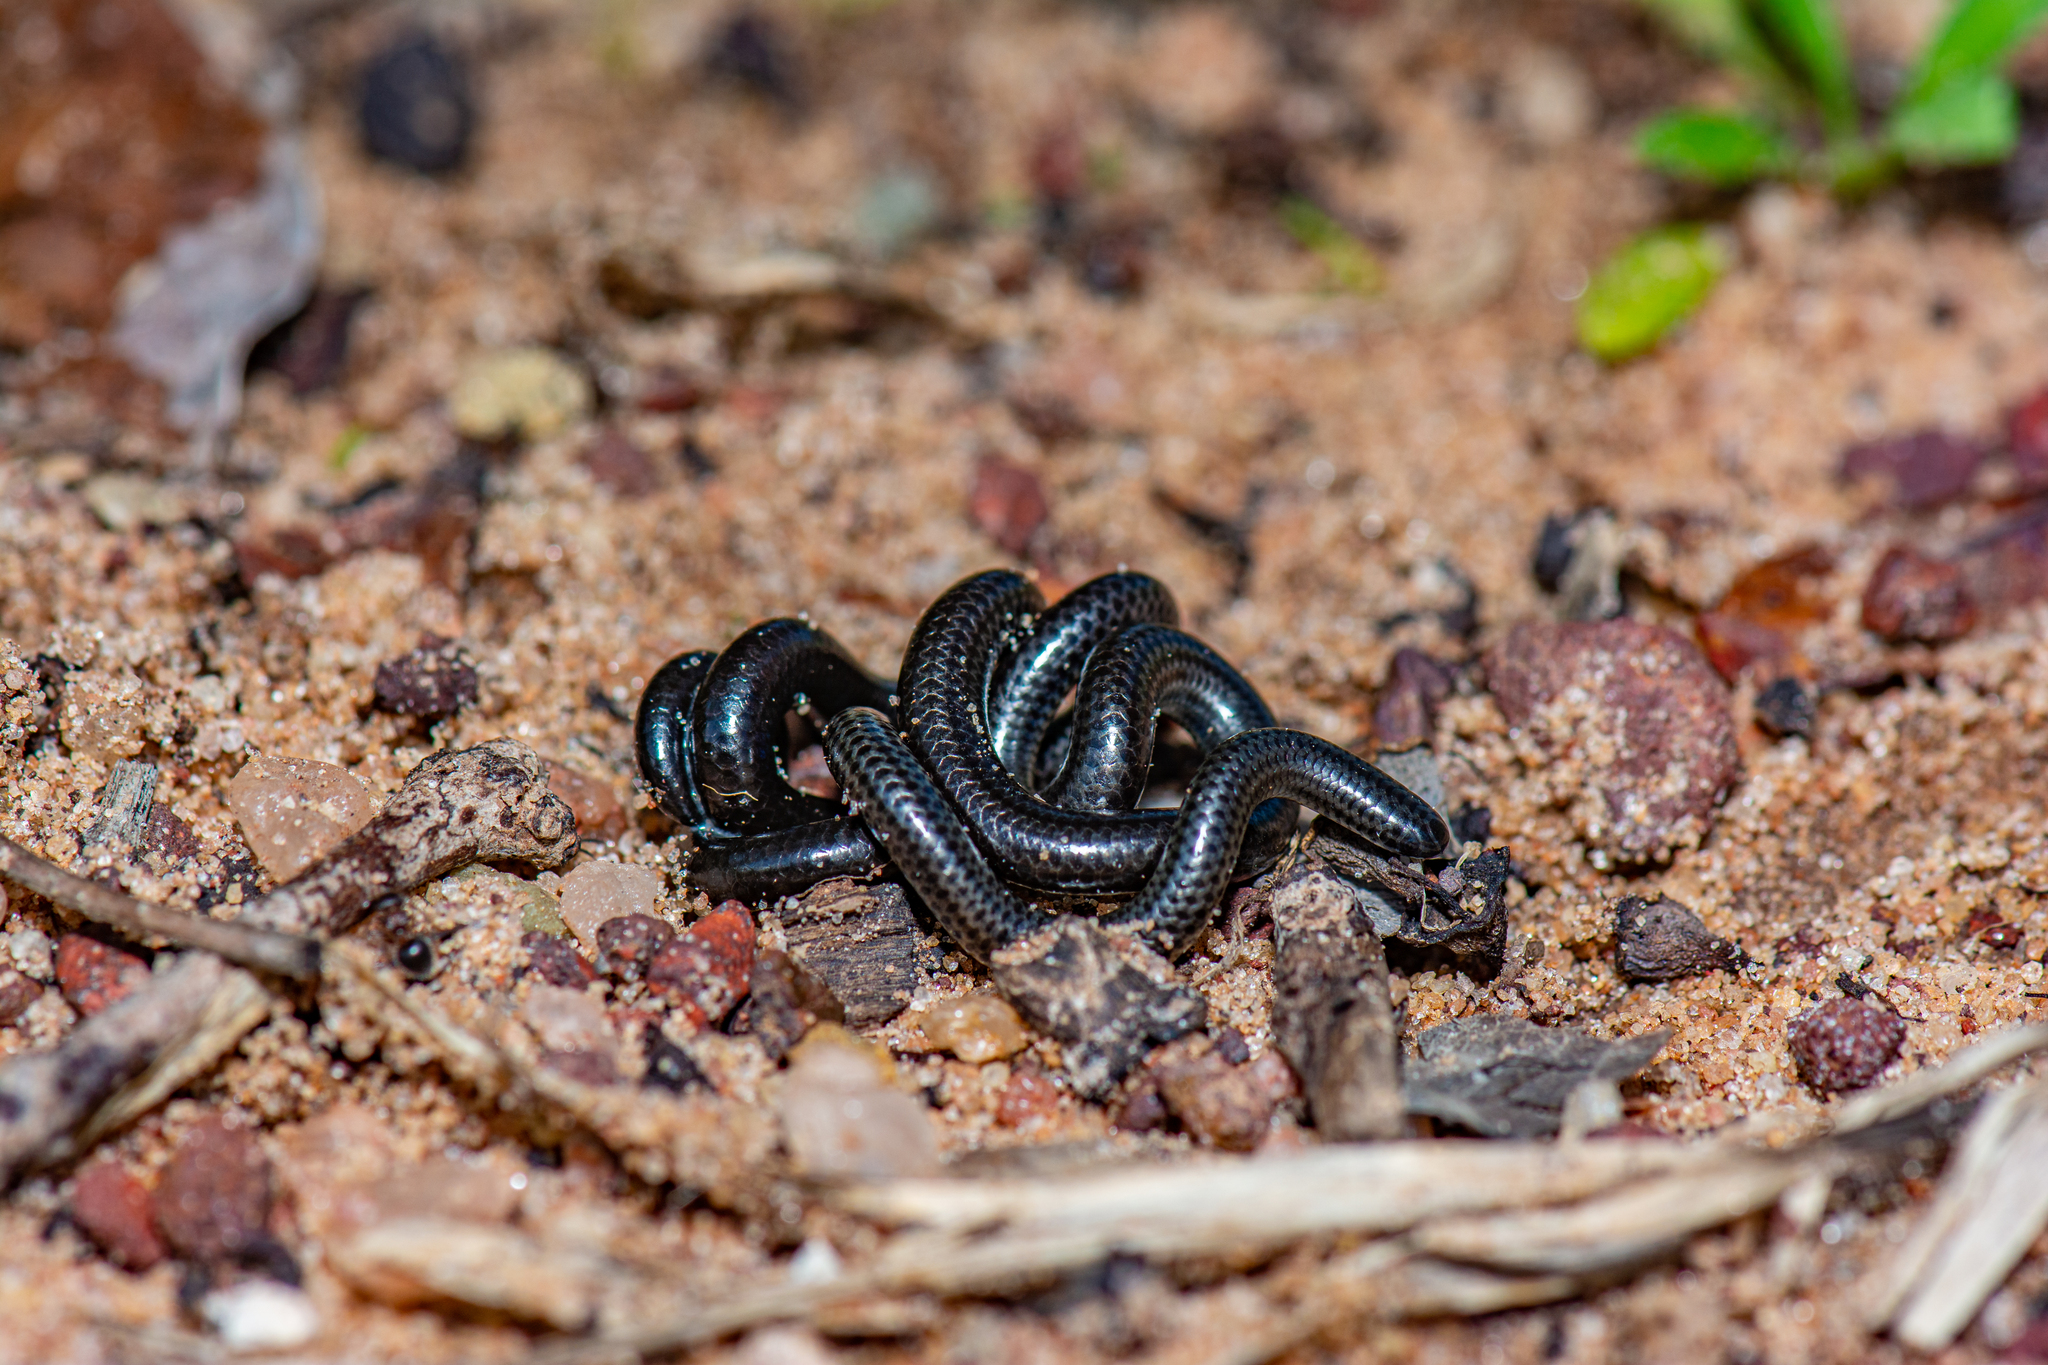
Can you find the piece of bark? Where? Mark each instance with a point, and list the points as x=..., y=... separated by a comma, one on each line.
x=861, y=939
x=1332, y=1015
x=125, y=805
x=1108, y=1000
x=1458, y=912
x=1506, y=1077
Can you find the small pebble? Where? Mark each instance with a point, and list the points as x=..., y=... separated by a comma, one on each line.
x=618, y=464
x=431, y=683
x=1029, y=1102
x=1220, y=1104
x=1924, y=468
x=33, y=954
x=585, y=1068
x=669, y=1067
x=706, y=970
x=1914, y=597
x=1786, y=707
x=1142, y=1110
x=542, y=914
x=93, y=974
x=1405, y=713
x=596, y=808
x=1006, y=502
x=1635, y=715
x=558, y=962
x=17, y=993
x=600, y=891
x=293, y=810
x=310, y=348
x=261, y=1315
x=750, y=49
x=784, y=999
x=564, y=1019
x=1230, y=1045
x=413, y=106
x=626, y=945
x=841, y=1118
x=1845, y=1044
x=974, y=1028
x=213, y=1200
x=809, y=772
x=112, y=1208
x=2001, y=935
x=525, y=393
x=1662, y=940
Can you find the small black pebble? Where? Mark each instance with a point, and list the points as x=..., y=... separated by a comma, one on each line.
x=417, y=958
x=1785, y=707
x=1230, y=1045
x=1472, y=824
x=668, y=1066
x=414, y=106
x=1553, y=554
x=750, y=50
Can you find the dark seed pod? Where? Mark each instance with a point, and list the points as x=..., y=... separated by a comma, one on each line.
x=414, y=106
x=1845, y=1044
x=1662, y=940
x=417, y=958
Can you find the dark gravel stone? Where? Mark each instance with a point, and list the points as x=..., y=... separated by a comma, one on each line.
x=431, y=682
x=1924, y=468
x=214, y=1198
x=626, y=945
x=17, y=993
x=1845, y=1044
x=750, y=50
x=1230, y=1045
x=1914, y=597
x=669, y=1067
x=94, y=974
x=414, y=107
x=1786, y=707
x=784, y=999
x=616, y=463
x=1472, y=824
x=1502, y=1077
x=556, y=962
x=1662, y=940
x=310, y=348
x=112, y=1207
x=1405, y=713
x=1640, y=717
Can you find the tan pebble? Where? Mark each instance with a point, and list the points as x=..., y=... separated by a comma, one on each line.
x=523, y=391
x=842, y=1121
x=975, y=1028
x=566, y=1020
x=596, y=892
x=293, y=810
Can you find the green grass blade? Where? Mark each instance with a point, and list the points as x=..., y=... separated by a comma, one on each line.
x=1978, y=37
x=1718, y=148
x=1647, y=288
x=1812, y=34
x=1721, y=30
x=1971, y=120
x=1352, y=266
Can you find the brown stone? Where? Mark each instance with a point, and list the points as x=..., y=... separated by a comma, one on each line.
x=213, y=1200
x=1914, y=597
x=1662, y=940
x=430, y=683
x=1404, y=715
x=1006, y=503
x=1845, y=1044
x=112, y=1208
x=585, y=1068
x=1219, y=1104
x=784, y=999
x=616, y=463
x=93, y=974
x=627, y=945
x=1923, y=468
x=1632, y=720
x=17, y=993
x=557, y=962
x=1029, y=1102
x=596, y=808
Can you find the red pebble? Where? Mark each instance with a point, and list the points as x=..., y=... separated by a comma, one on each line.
x=1007, y=502
x=627, y=944
x=1028, y=1102
x=1925, y=468
x=706, y=970
x=557, y=963
x=214, y=1198
x=1913, y=597
x=111, y=1207
x=93, y=974
x=1845, y=1044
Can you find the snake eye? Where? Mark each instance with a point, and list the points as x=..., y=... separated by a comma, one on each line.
x=417, y=958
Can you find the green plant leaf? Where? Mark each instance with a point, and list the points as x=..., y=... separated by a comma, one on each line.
x=1719, y=148
x=1971, y=120
x=1721, y=29
x=1811, y=33
x=1978, y=37
x=1647, y=288
x=1351, y=264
